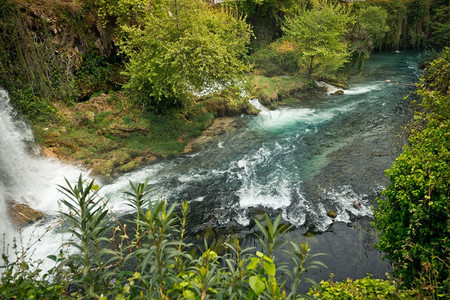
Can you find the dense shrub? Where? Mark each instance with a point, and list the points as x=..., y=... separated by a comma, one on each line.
x=360, y=289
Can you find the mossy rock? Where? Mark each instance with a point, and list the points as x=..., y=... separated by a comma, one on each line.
x=128, y=167
x=338, y=92
x=50, y=136
x=103, y=168
x=332, y=214
x=120, y=158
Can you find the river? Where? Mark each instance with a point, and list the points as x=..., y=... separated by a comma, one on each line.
x=325, y=153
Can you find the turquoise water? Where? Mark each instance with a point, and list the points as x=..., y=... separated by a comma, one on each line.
x=326, y=153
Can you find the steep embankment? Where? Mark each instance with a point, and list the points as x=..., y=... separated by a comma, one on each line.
x=61, y=67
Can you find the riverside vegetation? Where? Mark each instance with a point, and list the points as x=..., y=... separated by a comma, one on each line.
x=140, y=118
x=152, y=260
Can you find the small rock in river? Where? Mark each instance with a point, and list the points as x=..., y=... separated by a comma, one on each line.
x=338, y=92
x=332, y=214
x=21, y=214
x=356, y=204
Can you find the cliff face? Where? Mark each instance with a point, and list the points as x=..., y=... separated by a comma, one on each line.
x=53, y=50
x=72, y=27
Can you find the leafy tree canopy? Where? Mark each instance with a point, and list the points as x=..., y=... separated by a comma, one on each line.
x=368, y=32
x=180, y=47
x=319, y=37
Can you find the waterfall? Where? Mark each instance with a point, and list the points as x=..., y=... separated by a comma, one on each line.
x=256, y=104
x=26, y=177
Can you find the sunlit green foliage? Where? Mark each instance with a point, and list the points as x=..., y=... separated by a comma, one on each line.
x=413, y=218
x=278, y=58
x=182, y=47
x=361, y=289
x=318, y=35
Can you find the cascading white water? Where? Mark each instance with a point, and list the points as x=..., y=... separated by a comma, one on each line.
x=27, y=178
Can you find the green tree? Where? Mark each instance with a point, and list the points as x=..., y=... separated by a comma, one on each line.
x=266, y=17
x=440, y=24
x=413, y=219
x=181, y=47
x=397, y=13
x=368, y=32
x=319, y=37
x=418, y=22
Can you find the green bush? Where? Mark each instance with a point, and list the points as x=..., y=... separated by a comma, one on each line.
x=361, y=289
x=279, y=58
x=94, y=74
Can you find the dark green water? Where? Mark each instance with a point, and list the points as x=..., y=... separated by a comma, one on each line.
x=326, y=153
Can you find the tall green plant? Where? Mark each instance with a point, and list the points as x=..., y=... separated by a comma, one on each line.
x=157, y=263
x=159, y=249
x=87, y=215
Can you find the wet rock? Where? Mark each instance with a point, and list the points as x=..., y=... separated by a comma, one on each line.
x=332, y=214
x=21, y=214
x=49, y=153
x=356, y=204
x=338, y=92
x=220, y=126
x=128, y=166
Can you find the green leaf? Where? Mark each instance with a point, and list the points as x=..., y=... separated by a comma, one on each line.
x=256, y=284
x=188, y=294
x=270, y=268
x=253, y=263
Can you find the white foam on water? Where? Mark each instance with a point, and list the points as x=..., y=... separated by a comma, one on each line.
x=283, y=117
x=253, y=192
x=347, y=202
x=256, y=104
x=115, y=191
x=242, y=218
x=27, y=178
x=330, y=88
x=362, y=89
x=255, y=195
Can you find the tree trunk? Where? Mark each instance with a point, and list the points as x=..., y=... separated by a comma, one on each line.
x=311, y=68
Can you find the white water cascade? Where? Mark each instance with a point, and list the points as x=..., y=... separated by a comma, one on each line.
x=27, y=178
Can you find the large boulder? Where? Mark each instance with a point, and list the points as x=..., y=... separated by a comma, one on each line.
x=21, y=214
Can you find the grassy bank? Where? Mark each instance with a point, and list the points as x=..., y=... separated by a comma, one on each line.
x=109, y=135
